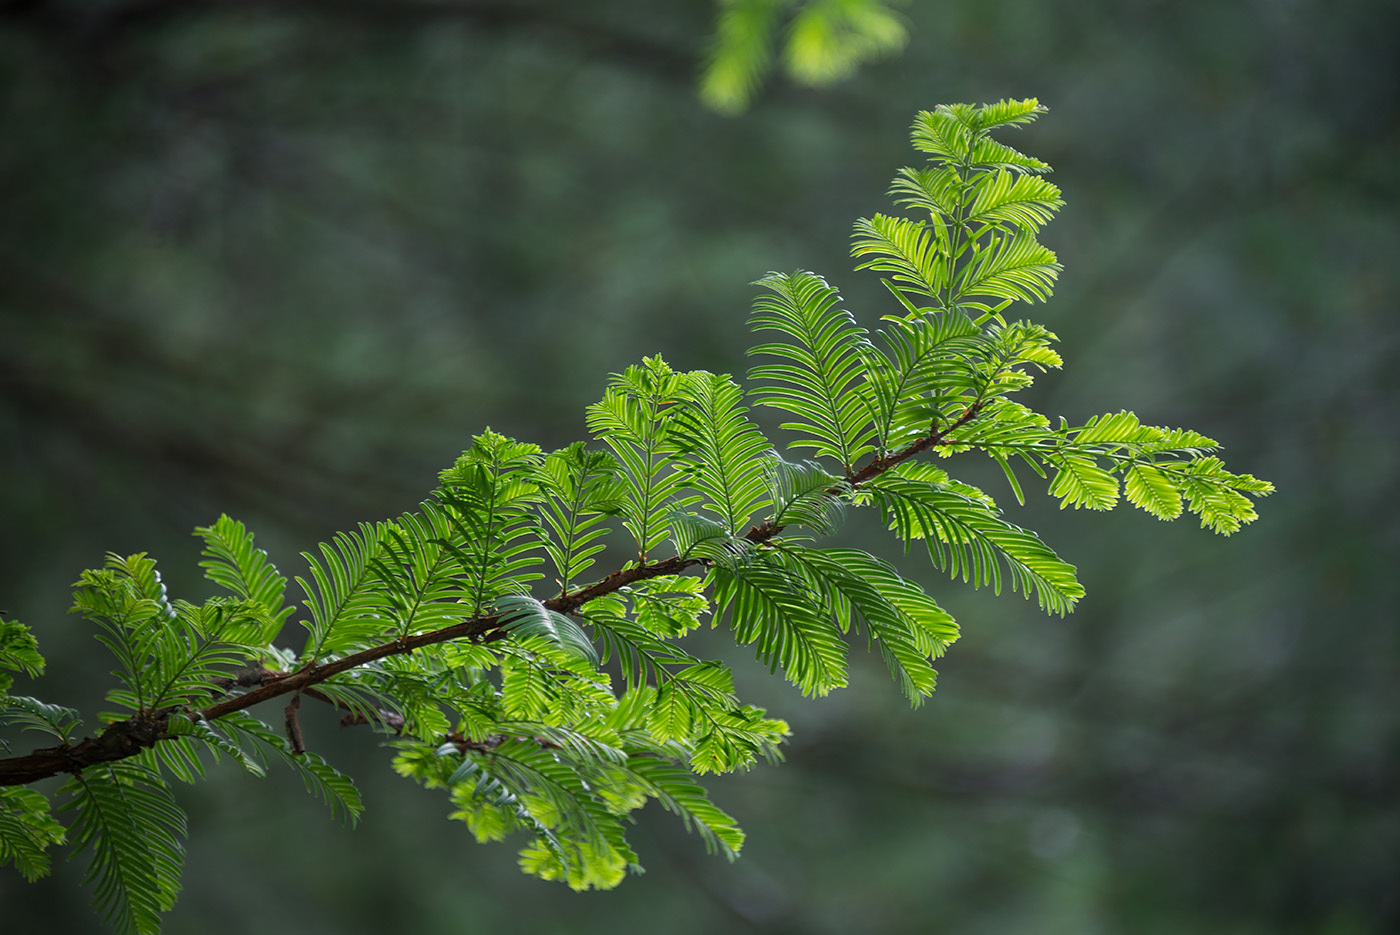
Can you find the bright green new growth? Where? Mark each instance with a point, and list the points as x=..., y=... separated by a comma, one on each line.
x=476, y=635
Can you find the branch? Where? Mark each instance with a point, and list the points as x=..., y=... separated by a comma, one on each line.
x=128, y=738
x=934, y=438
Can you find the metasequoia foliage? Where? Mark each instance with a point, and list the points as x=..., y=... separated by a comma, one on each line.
x=822, y=41
x=512, y=654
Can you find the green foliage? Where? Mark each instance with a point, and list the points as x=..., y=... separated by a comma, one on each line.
x=232, y=562
x=822, y=41
x=169, y=653
x=633, y=421
x=26, y=831
x=19, y=652
x=825, y=363
x=126, y=816
x=582, y=489
x=557, y=713
x=32, y=714
x=967, y=537
x=722, y=453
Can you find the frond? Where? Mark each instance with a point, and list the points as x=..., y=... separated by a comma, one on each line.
x=669, y=605
x=1006, y=113
x=1007, y=198
x=708, y=680
x=26, y=831
x=528, y=690
x=826, y=40
x=1148, y=488
x=931, y=357
x=128, y=820
x=582, y=489
x=987, y=153
x=168, y=653
x=700, y=537
x=946, y=132
x=346, y=594
x=678, y=792
x=421, y=686
x=939, y=190
x=633, y=420
x=424, y=581
x=734, y=739
x=523, y=616
x=740, y=53
x=556, y=795
x=331, y=786
x=32, y=714
x=177, y=756
x=672, y=714
x=820, y=374
x=1213, y=494
x=127, y=601
x=19, y=652
x=806, y=495
x=768, y=605
x=1005, y=428
x=232, y=562
x=642, y=655
x=368, y=692
x=582, y=865
x=489, y=497
x=1160, y=468
x=1013, y=266
x=1122, y=432
x=1006, y=359
x=723, y=451
x=1121, y=428
x=1186, y=441
x=1079, y=481
x=911, y=251
x=969, y=540
x=684, y=701
x=215, y=743
x=907, y=625
x=200, y=645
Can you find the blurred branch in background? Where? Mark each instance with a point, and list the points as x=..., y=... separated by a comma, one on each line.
x=97, y=29
x=817, y=41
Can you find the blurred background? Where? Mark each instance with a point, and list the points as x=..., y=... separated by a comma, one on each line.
x=283, y=260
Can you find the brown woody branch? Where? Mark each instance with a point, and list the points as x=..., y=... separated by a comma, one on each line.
x=128, y=738
x=934, y=438
x=294, y=737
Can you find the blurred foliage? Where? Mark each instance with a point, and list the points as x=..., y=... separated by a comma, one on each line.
x=823, y=41
x=282, y=261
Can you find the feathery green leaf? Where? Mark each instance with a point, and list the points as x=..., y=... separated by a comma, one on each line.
x=26, y=831
x=821, y=371
x=128, y=820
x=723, y=452
x=770, y=606
x=232, y=562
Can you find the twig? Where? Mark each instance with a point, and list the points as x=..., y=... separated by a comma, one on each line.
x=127, y=738
x=294, y=726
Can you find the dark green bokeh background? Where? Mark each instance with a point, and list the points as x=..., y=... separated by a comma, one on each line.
x=282, y=262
